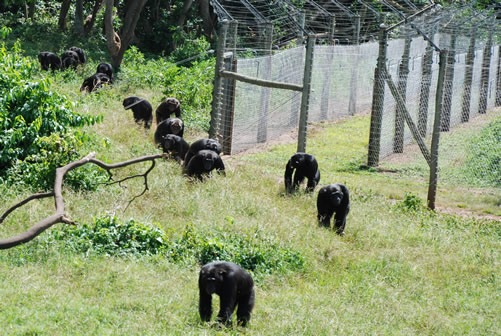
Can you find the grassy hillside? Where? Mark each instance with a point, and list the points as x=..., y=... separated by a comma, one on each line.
x=399, y=270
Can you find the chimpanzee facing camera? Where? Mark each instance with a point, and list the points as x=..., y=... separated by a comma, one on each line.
x=333, y=198
x=235, y=288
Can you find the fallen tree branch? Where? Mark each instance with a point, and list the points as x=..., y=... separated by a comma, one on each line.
x=60, y=216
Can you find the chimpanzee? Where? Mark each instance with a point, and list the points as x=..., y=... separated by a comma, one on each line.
x=175, y=146
x=107, y=69
x=94, y=82
x=166, y=108
x=234, y=286
x=141, y=109
x=200, y=144
x=169, y=126
x=203, y=163
x=49, y=60
x=305, y=166
x=80, y=53
x=333, y=198
x=69, y=59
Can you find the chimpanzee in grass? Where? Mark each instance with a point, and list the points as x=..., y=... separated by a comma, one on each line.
x=234, y=286
x=94, y=82
x=169, y=126
x=203, y=163
x=166, y=108
x=141, y=109
x=107, y=69
x=69, y=59
x=175, y=146
x=333, y=198
x=303, y=166
x=49, y=60
x=199, y=145
x=80, y=53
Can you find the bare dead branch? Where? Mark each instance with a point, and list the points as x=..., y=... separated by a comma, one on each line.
x=60, y=216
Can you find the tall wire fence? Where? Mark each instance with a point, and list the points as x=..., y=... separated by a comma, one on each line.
x=277, y=81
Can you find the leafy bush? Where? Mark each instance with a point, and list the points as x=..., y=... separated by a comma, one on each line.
x=110, y=237
x=36, y=125
x=411, y=203
x=483, y=165
x=252, y=253
x=193, y=87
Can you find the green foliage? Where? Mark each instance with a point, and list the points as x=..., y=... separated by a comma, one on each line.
x=253, y=253
x=189, y=47
x=411, y=203
x=111, y=237
x=36, y=124
x=483, y=165
x=193, y=87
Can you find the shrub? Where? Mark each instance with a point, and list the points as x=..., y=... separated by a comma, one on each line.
x=411, y=203
x=37, y=126
x=111, y=237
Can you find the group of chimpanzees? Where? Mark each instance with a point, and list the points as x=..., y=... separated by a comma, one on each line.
x=198, y=159
x=233, y=284
x=332, y=198
x=71, y=58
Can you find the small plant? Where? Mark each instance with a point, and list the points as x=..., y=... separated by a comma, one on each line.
x=111, y=237
x=411, y=202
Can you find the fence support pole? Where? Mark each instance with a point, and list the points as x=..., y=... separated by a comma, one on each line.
x=449, y=82
x=403, y=73
x=424, y=93
x=305, y=98
x=262, y=131
x=377, y=102
x=468, y=77
x=484, y=81
x=432, y=184
x=498, y=84
x=217, y=92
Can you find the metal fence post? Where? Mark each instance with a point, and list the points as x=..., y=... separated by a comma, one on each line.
x=403, y=73
x=305, y=98
x=468, y=77
x=377, y=102
x=498, y=84
x=424, y=93
x=432, y=184
x=449, y=83
x=484, y=81
x=217, y=92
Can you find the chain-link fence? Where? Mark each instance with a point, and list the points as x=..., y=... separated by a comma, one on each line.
x=380, y=60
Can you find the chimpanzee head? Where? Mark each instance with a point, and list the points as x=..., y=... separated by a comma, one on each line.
x=176, y=125
x=209, y=159
x=169, y=141
x=336, y=197
x=297, y=160
x=212, y=278
x=214, y=145
x=172, y=104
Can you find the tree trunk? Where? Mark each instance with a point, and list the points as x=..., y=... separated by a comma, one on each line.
x=65, y=7
x=91, y=19
x=79, y=22
x=207, y=18
x=184, y=12
x=118, y=44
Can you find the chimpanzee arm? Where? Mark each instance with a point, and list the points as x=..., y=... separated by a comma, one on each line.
x=219, y=166
x=228, y=300
x=205, y=305
x=289, y=170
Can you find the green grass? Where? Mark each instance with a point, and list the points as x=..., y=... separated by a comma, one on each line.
x=399, y=270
